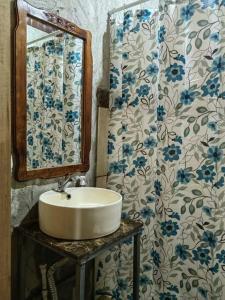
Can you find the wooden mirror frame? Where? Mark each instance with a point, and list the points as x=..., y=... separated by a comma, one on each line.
x=24, y=11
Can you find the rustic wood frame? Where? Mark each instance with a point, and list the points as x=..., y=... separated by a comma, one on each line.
x=24, y=11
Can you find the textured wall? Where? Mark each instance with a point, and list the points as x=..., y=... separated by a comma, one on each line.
x=91, y=15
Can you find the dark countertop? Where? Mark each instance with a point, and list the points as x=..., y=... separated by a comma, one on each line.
x=84, y=250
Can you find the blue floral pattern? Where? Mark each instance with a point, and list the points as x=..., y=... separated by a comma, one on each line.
x=53, y=103
x=169, y=163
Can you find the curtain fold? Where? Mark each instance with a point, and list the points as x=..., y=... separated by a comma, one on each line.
x=54, y=92
x=166, y=149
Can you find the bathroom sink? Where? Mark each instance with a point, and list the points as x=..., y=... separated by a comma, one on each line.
x=89, y=213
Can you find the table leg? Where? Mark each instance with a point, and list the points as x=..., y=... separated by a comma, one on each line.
x=80, y=282
x=136, y=266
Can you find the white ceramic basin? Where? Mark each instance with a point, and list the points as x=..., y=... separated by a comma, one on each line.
x=88, y=214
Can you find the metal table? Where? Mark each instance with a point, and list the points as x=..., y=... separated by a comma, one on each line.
x=83, y=252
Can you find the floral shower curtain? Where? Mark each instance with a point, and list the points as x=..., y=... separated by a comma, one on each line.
x=170, y=170
x=54, y=87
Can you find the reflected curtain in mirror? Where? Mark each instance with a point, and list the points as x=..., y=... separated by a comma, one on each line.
x=54, y=93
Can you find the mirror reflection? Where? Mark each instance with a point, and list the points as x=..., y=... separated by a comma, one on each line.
x=54, y=97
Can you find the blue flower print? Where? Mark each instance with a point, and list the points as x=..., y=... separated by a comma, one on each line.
x=124, y=215
x=143, y=90
x=140, y=162
x=171, y=152
x=71, y=116
x=210, y=238
x=59, y=49
x=126, y=95
x=181, y=58
x=119, y=34
x=110, y=147
x=183, y=176
x=118, y=102
x=207, y=210
x=127, y=150
x=150, y=199
x=158, y=187
x=134, y=103
x=147, y=213
x=36, y=116
x=127, y=20
x=49, y=102
x=37, y=66
x=221, y=257
x=125, y=55
x=47, y=90
x=144, y=280
x=118, y=167
x=212, y=125
x=131, y=173
x=214, y=269
x=201, y=255
x=113, y=81
x=211, y=87
x=187, y=12
x=150, y=143
x=178, y=139
x=209, y=3
x=30, y=140
x=50, y=47
x=203, y=292
x=187, y=97
x=167, y=296
x=218, y=65
x=182, y=251
x=155, y=54
x=215, y=37
x=156, y=257
x=49, y=154
x=215, y=153
x=136, y=28
x=219, y=183
x=73, y=57
x=169, y=228
x=160, y=113
x=152, y=70
x=174, y=73
x=35, y=163
x=143, y=15
x=59, y=105
x=30, y=93
x=129, y=78
x=206, y=173
x=161, y=34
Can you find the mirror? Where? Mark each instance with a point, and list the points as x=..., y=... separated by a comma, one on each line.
x=53, y=95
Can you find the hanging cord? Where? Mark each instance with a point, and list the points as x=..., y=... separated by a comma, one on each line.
x=50, y=276
x=44, y=291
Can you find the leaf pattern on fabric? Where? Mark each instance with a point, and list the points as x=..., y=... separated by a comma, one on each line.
x=166, y=150
x=54, y=91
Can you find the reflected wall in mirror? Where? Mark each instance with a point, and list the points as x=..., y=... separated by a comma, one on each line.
x=53, y=95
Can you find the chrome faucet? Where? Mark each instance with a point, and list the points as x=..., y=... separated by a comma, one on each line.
x=78, y=181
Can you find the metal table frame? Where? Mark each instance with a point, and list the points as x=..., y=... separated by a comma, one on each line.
x=81, y=260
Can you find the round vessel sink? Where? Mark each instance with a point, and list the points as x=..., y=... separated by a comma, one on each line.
x=87, y=213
